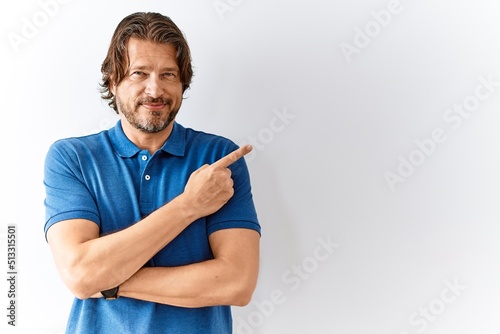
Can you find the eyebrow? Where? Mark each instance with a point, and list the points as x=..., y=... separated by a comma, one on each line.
x=145, y=67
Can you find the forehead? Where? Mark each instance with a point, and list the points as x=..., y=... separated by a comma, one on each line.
x=142, y=52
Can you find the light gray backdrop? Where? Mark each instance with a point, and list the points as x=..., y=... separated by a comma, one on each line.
x=376, y=163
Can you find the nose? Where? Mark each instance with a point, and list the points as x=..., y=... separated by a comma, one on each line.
x=153, y=87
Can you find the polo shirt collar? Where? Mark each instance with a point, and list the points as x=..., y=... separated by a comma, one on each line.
x=175, y=144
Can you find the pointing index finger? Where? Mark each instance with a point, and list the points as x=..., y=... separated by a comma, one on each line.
x=232, y=157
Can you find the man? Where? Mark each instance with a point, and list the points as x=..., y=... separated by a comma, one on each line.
x=152, y=225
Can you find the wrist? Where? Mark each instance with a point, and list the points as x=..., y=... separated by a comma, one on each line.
x=110, y=294
x=185, y=209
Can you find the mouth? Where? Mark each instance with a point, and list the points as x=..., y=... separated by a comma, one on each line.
x=154, y=106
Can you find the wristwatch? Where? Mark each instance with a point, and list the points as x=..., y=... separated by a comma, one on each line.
x=110, y=294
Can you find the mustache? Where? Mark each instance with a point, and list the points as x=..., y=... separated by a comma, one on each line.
x=162, y=100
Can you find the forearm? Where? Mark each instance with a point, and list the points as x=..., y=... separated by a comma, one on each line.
x=229, y=279
x=202, y=284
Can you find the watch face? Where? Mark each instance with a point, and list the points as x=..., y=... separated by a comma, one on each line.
x=110, y=294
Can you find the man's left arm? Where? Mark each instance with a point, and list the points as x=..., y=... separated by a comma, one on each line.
x=228, y=279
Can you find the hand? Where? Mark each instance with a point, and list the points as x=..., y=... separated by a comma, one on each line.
x=210, y=186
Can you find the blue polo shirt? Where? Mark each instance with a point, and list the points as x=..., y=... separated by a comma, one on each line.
x=105, y=178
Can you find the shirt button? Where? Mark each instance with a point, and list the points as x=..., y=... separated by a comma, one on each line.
x=144, y=158
x=147, y=177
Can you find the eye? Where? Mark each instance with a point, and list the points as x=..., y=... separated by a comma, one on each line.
x=138, y=73
x=169, y=75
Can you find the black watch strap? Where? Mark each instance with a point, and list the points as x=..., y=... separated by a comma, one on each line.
x=110, y=294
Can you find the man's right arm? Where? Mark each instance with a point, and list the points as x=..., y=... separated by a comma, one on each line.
x=89, y=264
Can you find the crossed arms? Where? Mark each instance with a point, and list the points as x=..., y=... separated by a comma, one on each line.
x=89, y=264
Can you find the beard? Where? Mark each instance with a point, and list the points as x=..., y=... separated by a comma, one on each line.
x=154, y=122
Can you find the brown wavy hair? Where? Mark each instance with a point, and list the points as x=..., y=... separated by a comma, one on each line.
x=152, y=27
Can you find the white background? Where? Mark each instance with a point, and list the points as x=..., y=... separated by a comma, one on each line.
x=319, y=172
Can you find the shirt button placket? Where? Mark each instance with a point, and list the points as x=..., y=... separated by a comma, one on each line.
x=144, y=158
x=146, y=187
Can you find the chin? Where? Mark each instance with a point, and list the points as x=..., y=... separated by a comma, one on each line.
x=155, y=126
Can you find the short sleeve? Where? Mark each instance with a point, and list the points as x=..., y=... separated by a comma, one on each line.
x=66, y=194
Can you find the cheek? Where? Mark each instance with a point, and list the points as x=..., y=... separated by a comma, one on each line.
x=129, y=92
x=178, y=91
